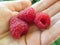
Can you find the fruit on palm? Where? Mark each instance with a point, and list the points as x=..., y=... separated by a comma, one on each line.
x=4, y=17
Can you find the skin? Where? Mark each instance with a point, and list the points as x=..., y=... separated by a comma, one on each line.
x=17, y=5
x=43, y=4
x=6, y=13
x=29, y=38
x=51, y=11
x=51, y=34
x=8, y=40
x=55, y=18
x=34, y=36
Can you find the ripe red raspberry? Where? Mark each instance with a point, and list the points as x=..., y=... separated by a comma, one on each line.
x=27, y=15
x=42, y=20
x=17, y=27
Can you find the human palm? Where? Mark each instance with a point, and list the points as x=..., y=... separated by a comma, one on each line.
x=34, y=35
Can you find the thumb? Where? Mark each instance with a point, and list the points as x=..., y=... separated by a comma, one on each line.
x=17, y=5
x=5, y=15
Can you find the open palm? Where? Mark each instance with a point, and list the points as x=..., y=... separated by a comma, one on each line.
x=34, y=35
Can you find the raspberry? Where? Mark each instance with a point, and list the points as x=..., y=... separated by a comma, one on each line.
x=42, y=20
x=17, y=27
x=27, y=15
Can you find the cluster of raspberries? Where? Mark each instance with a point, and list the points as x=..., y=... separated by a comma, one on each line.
x=19, y=25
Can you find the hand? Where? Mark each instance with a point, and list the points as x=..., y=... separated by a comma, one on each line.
x=9, y=9
x=34, y=36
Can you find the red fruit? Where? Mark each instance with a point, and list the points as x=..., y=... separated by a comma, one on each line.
x=42, y=20
x=27, y=15
x=17, y=27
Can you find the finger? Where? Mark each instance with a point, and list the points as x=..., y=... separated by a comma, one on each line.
x=28, y=38
x=15, y=13
x=3, y=35
x=53, y=9
x=5, y=15
x=17, y=5
x=21, y=41
x=8, y=40
x=33, y=37
x=55, y=18
x=50, y=35
x=42, y=5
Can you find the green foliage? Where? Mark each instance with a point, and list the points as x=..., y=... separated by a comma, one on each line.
x=57, y=42
x=6, y=0
x=53, y=43
x=33, y=1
